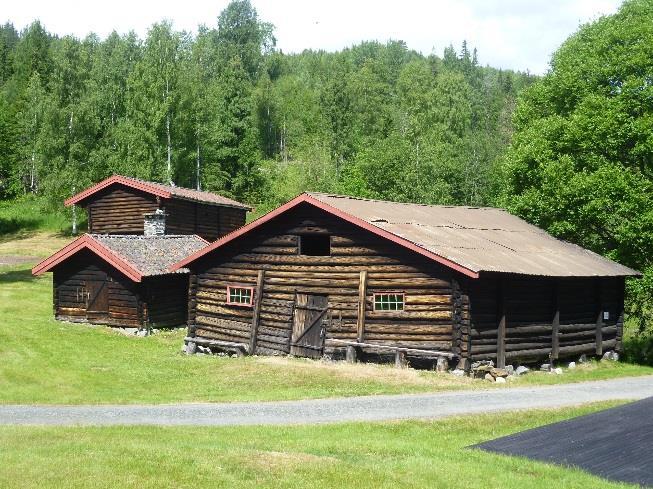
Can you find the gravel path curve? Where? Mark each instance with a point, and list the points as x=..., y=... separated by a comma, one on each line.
x=368, y=408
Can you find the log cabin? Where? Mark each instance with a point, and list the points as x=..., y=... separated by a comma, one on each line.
x=342, y=276
x=117, y=205
x=121, y=280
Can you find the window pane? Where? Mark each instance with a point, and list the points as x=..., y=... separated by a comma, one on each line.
x=389, y=302
x=240, y=295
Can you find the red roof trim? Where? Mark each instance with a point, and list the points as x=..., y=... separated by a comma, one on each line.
x=336, y=212
x=87, y=242
x=117, y=179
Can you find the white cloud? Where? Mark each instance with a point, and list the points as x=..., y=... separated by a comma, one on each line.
x=518, y=34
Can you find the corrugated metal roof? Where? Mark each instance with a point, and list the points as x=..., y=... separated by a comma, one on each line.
x=151, y=255
x=480, y=239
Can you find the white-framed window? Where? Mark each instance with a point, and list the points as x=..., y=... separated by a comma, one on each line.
x=389, y=301
x=239, y=295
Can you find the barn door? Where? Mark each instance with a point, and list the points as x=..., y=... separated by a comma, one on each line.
x=309, y=325
x=97, y=301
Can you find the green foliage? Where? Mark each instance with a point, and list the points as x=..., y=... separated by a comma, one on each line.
x=581, y=162
x=224, y=111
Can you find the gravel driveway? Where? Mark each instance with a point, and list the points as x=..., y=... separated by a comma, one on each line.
x=368, y=408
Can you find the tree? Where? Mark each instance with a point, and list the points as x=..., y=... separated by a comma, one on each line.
x=240, y=34
x=581, y=162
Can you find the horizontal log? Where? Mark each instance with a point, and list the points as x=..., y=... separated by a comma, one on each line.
x=407, y=328
x=217, y=343
x=400, y=336
x=331, y=267
x=410, y=351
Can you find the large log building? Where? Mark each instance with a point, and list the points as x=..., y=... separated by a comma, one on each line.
x=330, y=274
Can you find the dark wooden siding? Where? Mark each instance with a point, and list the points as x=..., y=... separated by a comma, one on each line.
x=426, y=322
x=530, y=305
x=167, y=300
x=119, y=210
x=71, y=282
x=208, y=221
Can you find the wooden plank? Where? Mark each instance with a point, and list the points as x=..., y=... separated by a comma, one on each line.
x=257, y=310
x=501, y=327
x=555, y=324
x=362, y=296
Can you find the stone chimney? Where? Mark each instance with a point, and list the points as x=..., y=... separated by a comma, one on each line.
x=155, y=223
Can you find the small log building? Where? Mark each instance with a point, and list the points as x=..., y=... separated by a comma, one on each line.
x=119, y=274
x=117, y=206
x=121, y=280
x=325, y=274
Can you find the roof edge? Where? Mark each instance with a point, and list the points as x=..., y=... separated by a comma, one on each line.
x=308, y=198
x=87, y=242
x=151, y=189
x=116, y=179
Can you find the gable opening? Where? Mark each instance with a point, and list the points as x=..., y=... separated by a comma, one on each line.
x=315, y=245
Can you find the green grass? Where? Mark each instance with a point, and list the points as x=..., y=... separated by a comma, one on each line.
x=51, y=362
x=410, y=454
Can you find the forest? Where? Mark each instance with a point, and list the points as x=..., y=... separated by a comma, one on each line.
x=224, y=110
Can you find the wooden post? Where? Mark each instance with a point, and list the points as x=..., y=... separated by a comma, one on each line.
x=362, y=296
x=400, y=358
x=350, y=356
x=442, y=364
x=258, y=296
x=501, y=328
x=599, y=319
x=619, y=319
x=555, y=325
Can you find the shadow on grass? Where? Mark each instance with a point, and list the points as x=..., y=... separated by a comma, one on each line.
x=14, y=224
x=13, y=276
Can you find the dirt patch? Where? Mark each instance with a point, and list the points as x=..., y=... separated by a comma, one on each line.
x=274, y=461
x=9, y=260
x=369, y=371
x=31, y=245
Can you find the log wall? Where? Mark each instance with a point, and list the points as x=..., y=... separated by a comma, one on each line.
x=426, y=322
x=71, y=283
x=121, y=210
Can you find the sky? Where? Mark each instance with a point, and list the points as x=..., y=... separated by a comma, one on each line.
x=515, y=34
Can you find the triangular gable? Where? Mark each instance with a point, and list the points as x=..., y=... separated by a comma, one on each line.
x=118, y=179
x=306, y=198
x=87, y=242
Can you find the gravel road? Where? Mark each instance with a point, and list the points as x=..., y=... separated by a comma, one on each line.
x=368, y=408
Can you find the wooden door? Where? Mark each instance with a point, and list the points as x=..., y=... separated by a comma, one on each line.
x=309, y=325
x=97, y=302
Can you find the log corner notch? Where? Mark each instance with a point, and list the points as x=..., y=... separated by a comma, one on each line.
x=258, y=297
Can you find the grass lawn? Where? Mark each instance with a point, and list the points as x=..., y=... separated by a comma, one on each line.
x=407, y=454
x=48, y=362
